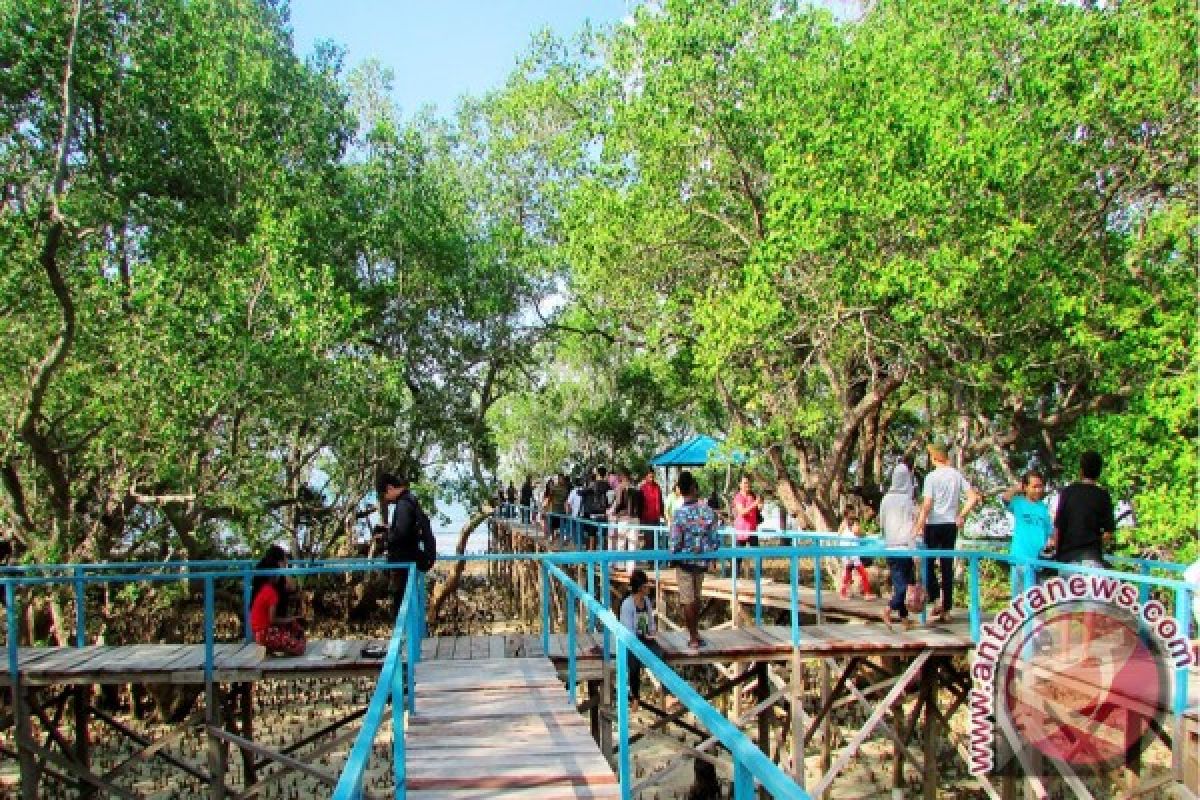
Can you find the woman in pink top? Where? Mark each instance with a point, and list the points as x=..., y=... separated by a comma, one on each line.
x=747, y=513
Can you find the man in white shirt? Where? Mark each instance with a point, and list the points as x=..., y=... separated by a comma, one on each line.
x=943, y=514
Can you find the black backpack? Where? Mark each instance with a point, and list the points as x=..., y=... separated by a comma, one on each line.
x=633, y=502
x=425, y=553
x=596, y=499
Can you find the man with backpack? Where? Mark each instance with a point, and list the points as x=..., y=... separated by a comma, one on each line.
x=594, y=499
x=410, y=536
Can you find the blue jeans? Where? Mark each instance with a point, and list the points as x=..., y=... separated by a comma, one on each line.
x=903, y=574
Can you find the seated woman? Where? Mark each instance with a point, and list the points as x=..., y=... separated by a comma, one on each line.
x=275, y=632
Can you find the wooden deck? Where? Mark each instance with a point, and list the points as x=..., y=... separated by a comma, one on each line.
x=184, y=663
x=766, y=643
x=776, y=595
x=500, y=727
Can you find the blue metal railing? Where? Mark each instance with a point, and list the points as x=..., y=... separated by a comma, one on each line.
x=1180, y=593
x=596, y=566
x=396, y=680
x=750, y=764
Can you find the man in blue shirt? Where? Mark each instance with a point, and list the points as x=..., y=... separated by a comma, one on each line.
x=693, y=530
x=1032, y=524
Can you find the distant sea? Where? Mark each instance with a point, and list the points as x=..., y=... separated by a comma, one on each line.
x=447, y=524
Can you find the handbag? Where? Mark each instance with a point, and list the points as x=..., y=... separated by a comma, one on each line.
x=915, y=598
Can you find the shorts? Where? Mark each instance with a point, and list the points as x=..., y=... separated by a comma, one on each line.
x=690, y=585
x=750, y=540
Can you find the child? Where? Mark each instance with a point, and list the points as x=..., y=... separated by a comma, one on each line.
x=1032, y=524
x=852, y=530
x=277, y=633
x=637, y=614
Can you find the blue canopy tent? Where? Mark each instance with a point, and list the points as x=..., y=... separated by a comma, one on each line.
x=694, y=452
x=697, y=452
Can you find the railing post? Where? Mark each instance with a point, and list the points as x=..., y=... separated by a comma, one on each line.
x=80, y=607
x=743, y=782
x=422, y=623
x=924, y=578
x=1183, y=619
x=1179, y=701
x=572, y=645
x=545, y=606
x=1030, y=576
x=247, y=590
x=591, y=588
x=14, y=614
x=604, y=601
x=1143, y=588
x=818, y=579
x=794, y=568
x=209, y=621
x=415, y=630
x=735, y=604
x=758, y=591
x=403, y=671
x=973, y=589
x=657, y=584
x=623, y=759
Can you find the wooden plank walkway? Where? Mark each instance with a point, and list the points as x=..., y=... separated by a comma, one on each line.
x=765, y=643
x=500, y=727
x=184, y=663
x=776, y=595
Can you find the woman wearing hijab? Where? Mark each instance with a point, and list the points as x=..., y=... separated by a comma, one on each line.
x=896, y=513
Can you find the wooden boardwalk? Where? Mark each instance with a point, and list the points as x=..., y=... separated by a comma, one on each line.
x=500, y=727
x=765, y=643
x=776, y=595
x=238, y=662
x=184, y=663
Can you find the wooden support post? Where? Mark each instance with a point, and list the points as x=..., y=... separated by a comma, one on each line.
x=762, y=691
x=218, y=750
x=606, y=701
x=929, y=696
x=1008, y=786
x=735, y=697
x=80, y=701
x=245, y=696
x=593, y=692
x=27, y=761
x=898, y=751
x=796, y=699
x=827, y=723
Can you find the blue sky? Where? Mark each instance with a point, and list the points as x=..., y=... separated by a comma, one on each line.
x=442, y=49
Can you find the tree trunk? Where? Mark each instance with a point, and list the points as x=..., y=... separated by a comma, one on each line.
x=451, y=585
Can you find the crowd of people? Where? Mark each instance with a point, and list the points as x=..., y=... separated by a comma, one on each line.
x=610, y=504
x=931, y=515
